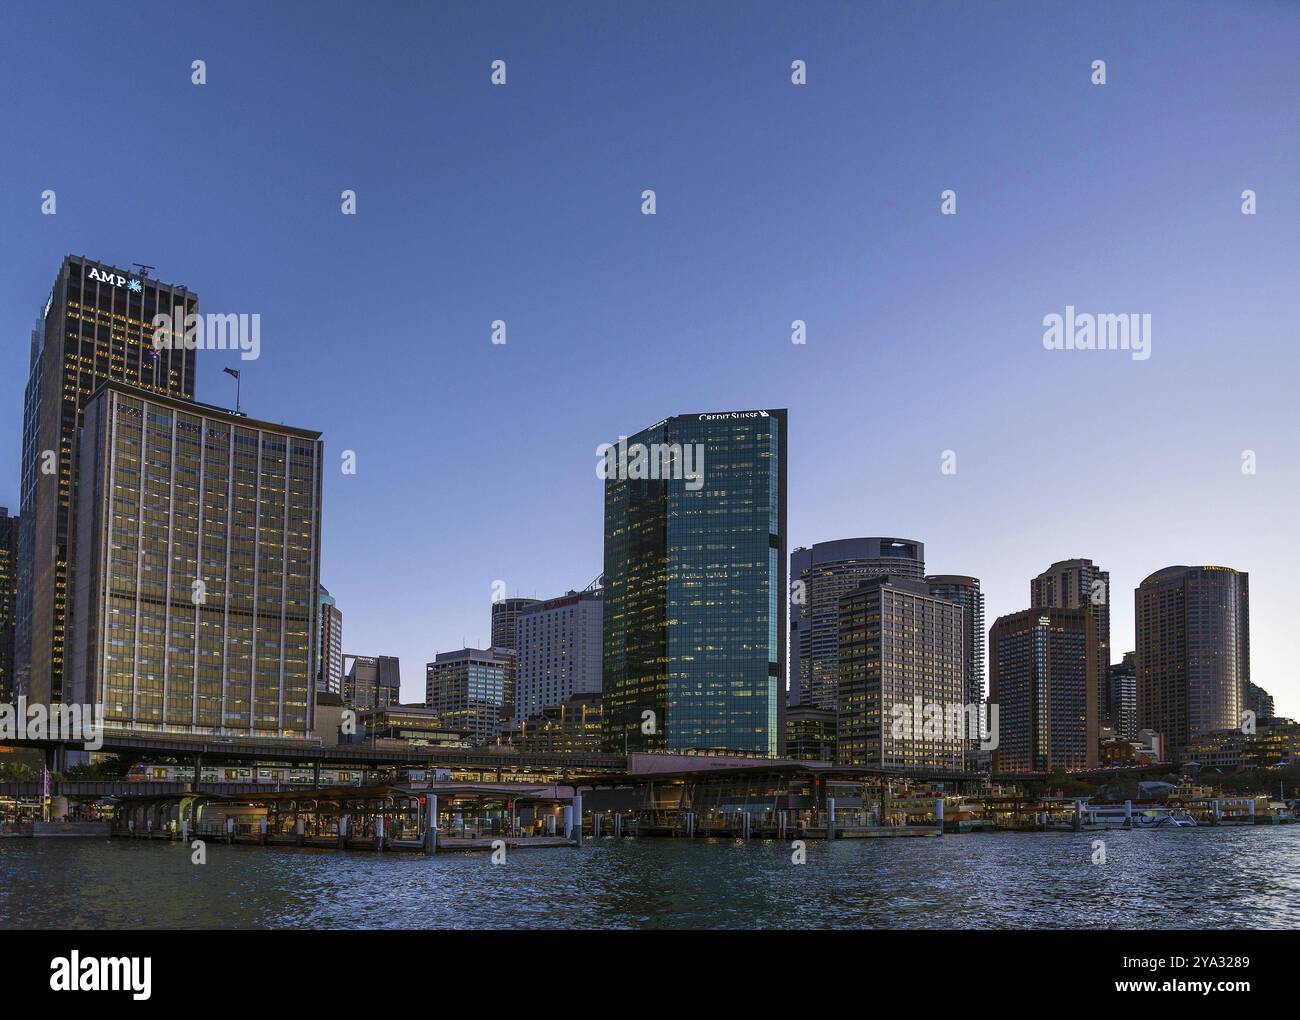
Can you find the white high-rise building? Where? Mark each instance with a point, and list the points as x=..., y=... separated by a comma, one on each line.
x=559, y=647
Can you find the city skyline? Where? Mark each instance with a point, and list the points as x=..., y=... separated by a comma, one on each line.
x=902, y=312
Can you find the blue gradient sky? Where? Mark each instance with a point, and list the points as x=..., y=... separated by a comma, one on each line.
x=477, y=462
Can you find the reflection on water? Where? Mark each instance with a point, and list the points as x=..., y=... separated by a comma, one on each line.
x=1188, y=878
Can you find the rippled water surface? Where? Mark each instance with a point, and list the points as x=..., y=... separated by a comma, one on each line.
x=1189, y=878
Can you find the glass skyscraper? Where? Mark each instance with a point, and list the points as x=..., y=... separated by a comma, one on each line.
x=695, y=585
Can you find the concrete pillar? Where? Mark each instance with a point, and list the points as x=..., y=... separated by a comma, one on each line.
x=596, y=819
x=230, y=830
x=1251, y=802
x=550, y=823
x=782, y=821
x=1214, y=807
x=830, y=817
x=575, y=819
x=1128, y=813
x=300, y=831
x=938, y=813
x=185, y=827
x=431, y=826
x=1078, y=816
x=261, y=831
x=744, y=824
x=343, y=831
x=379, y=833
x=690, y=824
x=618, y=824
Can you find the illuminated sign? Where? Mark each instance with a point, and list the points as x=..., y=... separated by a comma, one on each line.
x=735, y=414
x=116, y=279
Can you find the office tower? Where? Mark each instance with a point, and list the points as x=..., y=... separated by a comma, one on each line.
x=505, y=620
x=901, y=653
x=8, y=601
x=198, y=560
x=97, y=326
x=559, y=652
x=1043, y=678
x=1260, y=702
x=467, y=690
x=695, y=581
x=1121, y=697
x=965, y=591
x=329, y=645
x=1193, y=652
x=505, y=623
x=371, y=681
x=1074, y=584
x=819, y=576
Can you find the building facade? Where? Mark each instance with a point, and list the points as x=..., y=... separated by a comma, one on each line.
x=901, y=652
x=1043, y=678
x=965, y=591
x=1193, y=652
x=695, y=579
x=8, y=601
x=1121, y=697
x=810, y=733
x=1079, y=584
x=573, y=727
x=371, y=681
x=467, y=690
x=559, y=652
x=329, y=645
x=505, y=620
x=1260, y=702
x=819, y=576
x=198, y=561
x=96, y=327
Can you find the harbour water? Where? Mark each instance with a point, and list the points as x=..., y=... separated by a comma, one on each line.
x=1247, y=877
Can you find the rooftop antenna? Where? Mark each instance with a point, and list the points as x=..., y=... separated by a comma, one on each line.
x=144, y=270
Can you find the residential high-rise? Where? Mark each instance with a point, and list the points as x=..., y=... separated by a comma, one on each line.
x=371, y=681
x=819, y=576
x=197, y=568
x=965, y=591
x=329, y=645
x=8, y=601
x=559, y=652
x=1043, y=678
x=901, y=652
x=1193, y=652
x=1260, y=702
x=97, y=326
x=1075, y=584
x=695, y=584
x=1121, y=697
x=467, y=690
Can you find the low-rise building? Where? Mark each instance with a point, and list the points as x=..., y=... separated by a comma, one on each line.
x=571, y=728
